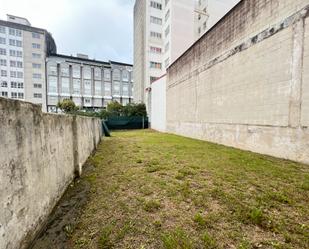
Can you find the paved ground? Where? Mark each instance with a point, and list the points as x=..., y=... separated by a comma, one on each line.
x=144, y=189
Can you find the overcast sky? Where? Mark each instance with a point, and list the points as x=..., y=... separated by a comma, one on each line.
x=103, y=29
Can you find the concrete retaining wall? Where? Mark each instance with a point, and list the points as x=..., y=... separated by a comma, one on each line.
x=246, y=82
x=158, y=105
x=39, y=155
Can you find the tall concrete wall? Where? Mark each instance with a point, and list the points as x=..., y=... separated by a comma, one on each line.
x=158, y=104
x=245, y=83
x=39, y=155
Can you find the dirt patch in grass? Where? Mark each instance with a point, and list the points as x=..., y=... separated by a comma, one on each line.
x=153, y=190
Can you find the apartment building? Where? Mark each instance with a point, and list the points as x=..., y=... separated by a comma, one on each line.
x=163, y=29
x=209, y=12
x=23, y=51
x=91, y=84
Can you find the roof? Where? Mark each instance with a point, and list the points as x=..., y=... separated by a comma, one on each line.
x=79, y=59
x=120, y=63
x=22, y=27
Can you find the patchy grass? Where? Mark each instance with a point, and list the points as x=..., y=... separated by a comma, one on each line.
x=153, y=190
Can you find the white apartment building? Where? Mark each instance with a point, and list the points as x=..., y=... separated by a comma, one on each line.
x=209, y=12
x=163, y=30
x=91, y=84
x=23, y=50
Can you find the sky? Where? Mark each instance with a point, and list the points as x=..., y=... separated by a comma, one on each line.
x=102, y=29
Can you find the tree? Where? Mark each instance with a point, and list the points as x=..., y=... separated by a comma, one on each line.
x=67, y=106
x=135, y=110
x=114, y=108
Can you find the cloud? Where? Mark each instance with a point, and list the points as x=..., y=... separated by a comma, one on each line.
x=103, y=29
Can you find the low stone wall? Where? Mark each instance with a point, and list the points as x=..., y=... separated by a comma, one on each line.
x=39, y=156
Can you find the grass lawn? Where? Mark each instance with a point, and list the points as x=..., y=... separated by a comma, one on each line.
x=153, y=190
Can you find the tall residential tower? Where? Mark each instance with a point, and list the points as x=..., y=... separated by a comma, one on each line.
x=163, y=30
x=23, y=50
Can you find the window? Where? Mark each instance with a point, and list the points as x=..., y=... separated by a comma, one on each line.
x=116, y=74
x=116, y=88
x=205, y=25
x=15, y=84
x=107, y=75
x=13, y=53
x=167, y=30
x=18, y=33
x=2, y=51
x=36, y=45
x=65, y=85
x=18, y=43
x=97, y=73
x=156, y=5
x=20, y=95
x=12, y=31
x=13, y=74
x=155, y=50
x=37, y=76
x=2, y=62
x=4, y=94
x=155, y=20
x=107, y=89
x=20, y=75
x=19, y=54
x=76, y=71
x=52, y=84
x=155, y=65
x=12, y=42
x=4, y=84
x=36, y=65
x=155, y=35
x=167, y=15
x=98, y=88
x=36, y=56
x=125, y=75
x=87, y=87
x=87, y=73
x=2, y=30
x=125, y=89
x=36, y=35
x=19, y=64
x=76, y=86
x=14, y=95
x=35, y=85
x=65, y=70
x=4, y=73
x=37, y=95
x=52, y=70
x=12, y=63
x=2, y=40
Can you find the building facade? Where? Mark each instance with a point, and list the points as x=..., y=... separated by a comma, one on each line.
x=163, y=30
x=23, y=51
x=91, y=84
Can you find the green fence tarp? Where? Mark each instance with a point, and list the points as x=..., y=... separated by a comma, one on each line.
x=122, y=123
